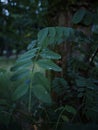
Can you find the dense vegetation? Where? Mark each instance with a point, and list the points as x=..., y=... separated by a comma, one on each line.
x=54, y=84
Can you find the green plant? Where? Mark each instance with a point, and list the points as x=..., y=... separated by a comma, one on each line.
x=75, y=87
x=7, y=106
x=55, y=81
x=41, y=95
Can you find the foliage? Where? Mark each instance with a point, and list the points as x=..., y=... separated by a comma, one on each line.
x=71, y=98
x=62, y=91
x=6, y=104
x=21, y=20
x=19, y=23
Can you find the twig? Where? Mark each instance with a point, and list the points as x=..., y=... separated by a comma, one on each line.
x=93, y=56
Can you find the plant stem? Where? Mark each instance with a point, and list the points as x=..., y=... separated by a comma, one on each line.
x=30, y=87
x=93, y=56
x=59, y=118
x=30, y=90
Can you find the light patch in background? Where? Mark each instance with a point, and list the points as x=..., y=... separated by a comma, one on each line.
x=6, y=12
x=4, y=1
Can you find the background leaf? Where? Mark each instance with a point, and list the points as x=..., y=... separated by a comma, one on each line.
x=78, y=16
x=70, y=109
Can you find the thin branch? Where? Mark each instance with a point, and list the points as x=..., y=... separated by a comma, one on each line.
x=93, y=56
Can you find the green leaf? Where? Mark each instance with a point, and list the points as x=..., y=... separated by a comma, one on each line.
x=48, y=64
x=52, y=32
x=32, y=44
x=41, y=87
x=39, y=78
x=68, y=33
x=49, y=54
x=43, y=38
x=20, y=75
x=42, y=34
x=64, y=33
x=24, y=61
x=78, y=16
x=65, y=118
x=41, y=93
x=27, y=55
x=59, y=32
x=21, y=65
x=59, y=35
x=95, y=29
x=44, y=43
x=20, y=91
x=70, y=109
x=54, y=35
